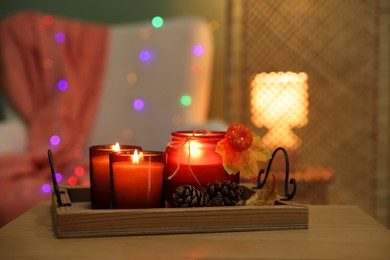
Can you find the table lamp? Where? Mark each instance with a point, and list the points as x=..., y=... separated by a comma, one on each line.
x=279, y=102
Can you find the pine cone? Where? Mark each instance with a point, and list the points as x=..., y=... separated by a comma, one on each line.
x=187, y=196
x=223, y=194
x=217, y=201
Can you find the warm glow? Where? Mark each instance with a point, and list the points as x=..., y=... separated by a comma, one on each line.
x=116, y=147
x=279, y=102
x=137, y=157
x=195, y=149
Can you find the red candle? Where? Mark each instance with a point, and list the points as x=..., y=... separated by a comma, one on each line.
x=192, y=160
x=137, y=179
x=100, y=172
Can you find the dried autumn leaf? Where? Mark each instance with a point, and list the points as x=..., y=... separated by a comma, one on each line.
x=265, y=196
x=244, y=161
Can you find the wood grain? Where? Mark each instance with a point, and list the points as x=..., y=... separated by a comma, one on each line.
x=335, y=232
x=79, y=220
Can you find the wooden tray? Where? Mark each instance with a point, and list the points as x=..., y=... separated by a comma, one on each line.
x=79, y=220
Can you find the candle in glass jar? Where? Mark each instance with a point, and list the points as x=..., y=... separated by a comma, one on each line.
x=100, y=172
x=137, y=179
x=192, y=160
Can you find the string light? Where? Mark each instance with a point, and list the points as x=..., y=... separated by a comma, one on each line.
x=60, y=37
x=196, y=69
x=157, y=22
x=144, y=33
x=47, y=20
x=186, y=100
x=62, y=85
x=79, y=171
x=214, y=25
x=138, y=104
x=131, y=78
x=46, y=188
x=198, y=50
x=58, y=177
x=55, y=140
x=145, y=55
x=72, y=181
x=127, y=133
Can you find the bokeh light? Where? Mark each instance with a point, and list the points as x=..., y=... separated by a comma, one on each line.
x=60, y=37
x=138, y=104
x=157, y=22
x=62, y=85
x=79, y=171
x=72, y=181
x=131, y=78
x=198, y=50
x=46, y=188
x=47, y=20
x=58, y=177
x=55, y=140
x=185, y=100
x=146, y=55
x=144, y=33
x=127, y=133
x=177, y=120
x=214, y=25
x=196, y=69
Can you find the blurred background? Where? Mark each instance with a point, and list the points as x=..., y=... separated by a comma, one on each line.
x=122, y=11
x=309, y=75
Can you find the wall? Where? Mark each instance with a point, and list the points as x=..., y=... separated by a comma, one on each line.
x=343, y=45
x=121, y=11
x=383, y=147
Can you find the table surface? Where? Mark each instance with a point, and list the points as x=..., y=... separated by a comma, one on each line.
x=335, y=232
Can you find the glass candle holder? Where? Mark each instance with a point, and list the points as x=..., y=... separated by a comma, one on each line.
x=192, y=160
x=100, y=173
x=137, y=180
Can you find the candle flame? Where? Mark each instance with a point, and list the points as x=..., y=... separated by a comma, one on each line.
x=137, y=157
x=195, y=149
x=116, y=147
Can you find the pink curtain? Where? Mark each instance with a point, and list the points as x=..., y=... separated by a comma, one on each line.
x=39, y=55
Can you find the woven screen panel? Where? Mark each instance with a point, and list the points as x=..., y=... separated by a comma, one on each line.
x=335, y=42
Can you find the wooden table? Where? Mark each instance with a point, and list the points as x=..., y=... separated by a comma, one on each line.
x=335, y=232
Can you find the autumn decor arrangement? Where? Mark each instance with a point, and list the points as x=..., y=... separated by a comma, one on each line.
x=200, y=190
x=241, y=150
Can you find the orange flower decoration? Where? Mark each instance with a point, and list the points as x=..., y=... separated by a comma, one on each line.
x=240, y=150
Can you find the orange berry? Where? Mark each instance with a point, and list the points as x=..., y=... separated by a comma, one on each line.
x=239, y=137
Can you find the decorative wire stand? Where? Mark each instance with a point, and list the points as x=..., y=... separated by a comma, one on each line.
x=55, y=184
x=289, y=196
x=260, y=184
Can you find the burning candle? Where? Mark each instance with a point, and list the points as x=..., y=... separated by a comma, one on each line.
x=100, y=173
x=192, y=160
x=137, y=179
